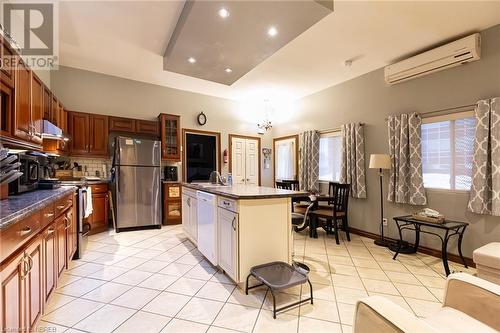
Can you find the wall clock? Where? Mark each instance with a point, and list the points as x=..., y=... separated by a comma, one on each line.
x=202, y=119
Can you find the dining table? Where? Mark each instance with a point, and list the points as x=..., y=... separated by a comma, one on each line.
x=318, y=210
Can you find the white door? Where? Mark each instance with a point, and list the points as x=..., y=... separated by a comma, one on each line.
x=238, y=160
x=252, y=161
x=228, y=247
x=245, y=161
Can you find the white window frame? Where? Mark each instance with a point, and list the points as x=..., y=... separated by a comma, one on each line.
x=295, y=140
x=328, y=134
x=448, y=117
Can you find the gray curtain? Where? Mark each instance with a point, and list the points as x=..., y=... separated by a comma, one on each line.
x=405, y=182
x=352, y=170
x=485, y=189
x=309, y=161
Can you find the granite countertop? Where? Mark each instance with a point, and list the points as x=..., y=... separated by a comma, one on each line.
x=245, y=191
x=17, y=207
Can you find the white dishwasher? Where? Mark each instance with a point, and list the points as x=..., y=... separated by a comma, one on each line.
x=207, y=225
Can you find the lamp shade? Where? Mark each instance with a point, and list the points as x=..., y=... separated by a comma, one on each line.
x=380, y=161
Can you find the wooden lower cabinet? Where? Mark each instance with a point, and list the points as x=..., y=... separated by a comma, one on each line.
x=11, y=294
x=49, y=241
x=172, y=203
x=98, y=220
x=34, y=283
x=29, y=274
x=61, y=244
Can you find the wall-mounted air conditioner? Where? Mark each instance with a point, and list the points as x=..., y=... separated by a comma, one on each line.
x=450, y=55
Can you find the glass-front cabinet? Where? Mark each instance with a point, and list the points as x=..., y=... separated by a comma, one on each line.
x=170, y=137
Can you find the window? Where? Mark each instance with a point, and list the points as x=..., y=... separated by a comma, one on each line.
x=330, y=154
x=285, y=150
x=447, y=150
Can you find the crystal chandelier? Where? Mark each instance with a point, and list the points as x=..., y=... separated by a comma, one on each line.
x=266, y=125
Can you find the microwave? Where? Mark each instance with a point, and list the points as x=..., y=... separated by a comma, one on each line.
x=30, y=167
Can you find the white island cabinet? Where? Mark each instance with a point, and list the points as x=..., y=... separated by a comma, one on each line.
x=190, y=214
x=252, y=226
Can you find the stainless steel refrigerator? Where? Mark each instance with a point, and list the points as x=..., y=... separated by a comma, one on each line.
x=137, y=172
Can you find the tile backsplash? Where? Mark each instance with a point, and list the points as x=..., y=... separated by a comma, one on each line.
x=93, y=165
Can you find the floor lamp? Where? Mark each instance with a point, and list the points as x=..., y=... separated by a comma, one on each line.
x=381, y=162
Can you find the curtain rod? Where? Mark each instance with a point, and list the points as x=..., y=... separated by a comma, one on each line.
x=446, y=111
x=335, y=129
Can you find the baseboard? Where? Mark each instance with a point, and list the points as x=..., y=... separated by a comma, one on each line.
x=422, y=249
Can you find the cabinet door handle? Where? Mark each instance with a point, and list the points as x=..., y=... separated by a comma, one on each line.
x=48, y=214
x=25, y=231
x=60, y=206
x=232, y=223
x=68, y=223
x=30, y=263
x=24, y=267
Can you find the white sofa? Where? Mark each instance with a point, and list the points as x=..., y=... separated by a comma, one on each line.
x=487, y=259
x=470, y=305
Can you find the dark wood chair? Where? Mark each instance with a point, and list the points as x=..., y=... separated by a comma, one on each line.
x=294, y=183
x=284, y=185
x=335, y=212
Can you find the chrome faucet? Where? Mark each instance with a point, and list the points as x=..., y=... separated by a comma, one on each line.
x=216, y=178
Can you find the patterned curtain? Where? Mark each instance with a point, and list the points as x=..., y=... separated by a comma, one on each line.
x=406, y=183
x=309, y=161
x=352, y=170
x=485, y=189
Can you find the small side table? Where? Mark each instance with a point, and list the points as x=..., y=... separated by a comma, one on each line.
x=451, y=228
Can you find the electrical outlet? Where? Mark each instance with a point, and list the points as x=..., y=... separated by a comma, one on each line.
x=384, y=222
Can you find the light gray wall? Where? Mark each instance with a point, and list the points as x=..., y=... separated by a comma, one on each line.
x=86, y=91
x=364, y=99
x=369, y=100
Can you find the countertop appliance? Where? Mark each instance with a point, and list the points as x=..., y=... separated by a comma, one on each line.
x=137, y=174
x=207, y=225
x=171, y=173
x=49, y=183
x=30, y=168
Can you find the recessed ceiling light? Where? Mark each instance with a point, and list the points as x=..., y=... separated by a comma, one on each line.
x=272, y=31
x=192, y=60
x=228, y=70
x=223, y=12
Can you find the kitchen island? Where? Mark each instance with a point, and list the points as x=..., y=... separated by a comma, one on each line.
x=238, y=227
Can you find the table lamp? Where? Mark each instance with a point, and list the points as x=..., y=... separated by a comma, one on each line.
x=381, y=162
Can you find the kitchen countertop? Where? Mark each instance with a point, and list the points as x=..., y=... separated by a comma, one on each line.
x=17, y=207
x=245, y=191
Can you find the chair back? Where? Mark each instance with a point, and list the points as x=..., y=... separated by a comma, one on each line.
x=294, y=184
x=340, y=194
x=331, y=190
x=283, y=185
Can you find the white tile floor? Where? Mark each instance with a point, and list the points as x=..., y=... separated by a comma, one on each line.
x=156, y=281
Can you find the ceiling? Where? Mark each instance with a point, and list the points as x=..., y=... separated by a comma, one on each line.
x=128, y=39
x=223, y=48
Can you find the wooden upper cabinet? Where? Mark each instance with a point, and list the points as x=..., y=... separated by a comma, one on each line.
x=7, y=73
x=22, y=113
x=98, y=136
x=47, y=102
x=54, y=111
x=36, y=108
x=7, y=109
x=120, y=124
x=79, y=130
x=170, y=137
x=146, y=127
